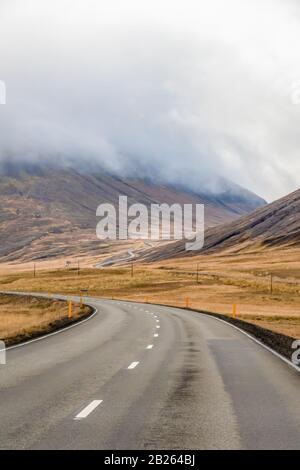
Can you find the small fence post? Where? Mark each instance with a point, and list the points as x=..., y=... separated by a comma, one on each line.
x=70, y=309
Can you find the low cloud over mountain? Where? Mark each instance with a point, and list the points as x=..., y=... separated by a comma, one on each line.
x=183, y=90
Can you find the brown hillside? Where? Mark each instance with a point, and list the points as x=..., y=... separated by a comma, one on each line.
x=50, y=212
x=275, y=224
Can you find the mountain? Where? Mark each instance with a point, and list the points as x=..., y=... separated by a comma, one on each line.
x=50, y=211
x=274, y=225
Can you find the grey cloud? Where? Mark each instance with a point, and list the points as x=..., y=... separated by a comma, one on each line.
x=165, y=93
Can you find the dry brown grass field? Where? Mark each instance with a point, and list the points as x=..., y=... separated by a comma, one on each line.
x=243, y=279
x=24, y=316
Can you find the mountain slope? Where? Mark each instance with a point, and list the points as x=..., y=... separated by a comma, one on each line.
x=51, y=211
x=275, y=224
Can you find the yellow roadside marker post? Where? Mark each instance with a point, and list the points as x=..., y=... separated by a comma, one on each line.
x=82, y=293
x=70, y=308
x=234, y=311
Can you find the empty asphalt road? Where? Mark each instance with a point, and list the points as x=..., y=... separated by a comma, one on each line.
x=138, y=376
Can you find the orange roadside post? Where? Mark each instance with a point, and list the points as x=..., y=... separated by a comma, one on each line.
x=70, y=308
x=234, y=311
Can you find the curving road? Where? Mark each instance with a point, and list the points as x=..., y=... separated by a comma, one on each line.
x=138, y=376
x=121, y=258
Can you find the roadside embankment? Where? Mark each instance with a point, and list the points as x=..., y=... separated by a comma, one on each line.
x=24, y=317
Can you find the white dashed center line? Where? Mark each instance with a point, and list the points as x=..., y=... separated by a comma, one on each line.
x=133, y=365
x=150, y=346
x=88, y=409
x=155, y=335
x=157, y=326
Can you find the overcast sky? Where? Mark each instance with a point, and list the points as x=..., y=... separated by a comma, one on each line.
x=189, y=88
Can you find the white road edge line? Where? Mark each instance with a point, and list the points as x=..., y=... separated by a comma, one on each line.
x=272, y=351
x=133, y=365
x=284, y=359
x=88, y=409
x=150, y=346
x=54, y=332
